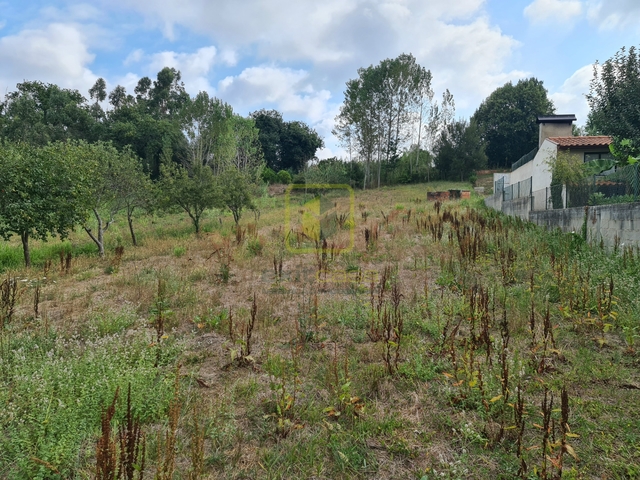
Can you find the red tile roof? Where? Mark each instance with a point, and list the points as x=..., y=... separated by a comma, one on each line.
x=596, y=141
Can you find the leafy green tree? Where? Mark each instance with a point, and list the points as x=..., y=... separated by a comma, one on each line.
x=269, y=176
x=614, y=96
x=119, y=98
x=284, y=177
x=98, y=93
x=102, y=164
x=194, y=190
x=149, y=137
x=233, y=193
x=167, y=96
x=132, y=186
x=299, y=144
x=270, y=125
x=39, y=113
x=112, y=181
x=459, y=151
x=42, y=192
x=285, y=145
x=507, y=120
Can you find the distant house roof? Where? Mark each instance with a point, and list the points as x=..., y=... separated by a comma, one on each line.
x=595, y=141
x=556, y=118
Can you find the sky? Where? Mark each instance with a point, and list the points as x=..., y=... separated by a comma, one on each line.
x=295, y=56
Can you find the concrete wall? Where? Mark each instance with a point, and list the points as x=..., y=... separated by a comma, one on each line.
x=494, y=201
x=604, y=222
x=498, y=176
x=518, y=207
x=554, y=129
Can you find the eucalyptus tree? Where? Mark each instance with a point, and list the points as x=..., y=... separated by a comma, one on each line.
x=248, y=153
x=208, y=127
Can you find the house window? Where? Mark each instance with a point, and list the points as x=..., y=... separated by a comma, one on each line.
x=598, y=156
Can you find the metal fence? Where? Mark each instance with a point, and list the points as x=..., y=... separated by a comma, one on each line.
x=621, y=186
x=498, y=186
x=517, y=190
x=524, y=159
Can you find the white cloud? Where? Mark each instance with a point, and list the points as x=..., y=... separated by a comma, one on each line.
x=229, y=57
x=128, y=81
x=333, y=38
x=570, y=98
x=290, y=90
x=553, y=11
x=194, y=67
x=57, y=53
x=134, y=57
x=614, y=14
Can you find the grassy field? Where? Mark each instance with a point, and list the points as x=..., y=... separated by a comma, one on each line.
x=448, y=341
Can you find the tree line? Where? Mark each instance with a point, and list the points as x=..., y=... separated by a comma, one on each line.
x=68, y=160
x=396, y=129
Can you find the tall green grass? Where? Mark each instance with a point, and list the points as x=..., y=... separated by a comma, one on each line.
x=53, y=389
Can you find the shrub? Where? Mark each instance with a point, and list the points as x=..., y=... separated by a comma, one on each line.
x=255, y=246
x=284, y=177
x=269, y=176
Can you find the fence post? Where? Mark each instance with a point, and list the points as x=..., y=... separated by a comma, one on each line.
x=636, y=181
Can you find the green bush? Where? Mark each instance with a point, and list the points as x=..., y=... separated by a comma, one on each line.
x=255, y=247
x=269, y=176
x=284, y=177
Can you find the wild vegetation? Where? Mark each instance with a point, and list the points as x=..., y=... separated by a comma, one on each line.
x=449, y=342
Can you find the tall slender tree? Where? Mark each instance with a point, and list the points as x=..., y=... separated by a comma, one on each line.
x=380, y=107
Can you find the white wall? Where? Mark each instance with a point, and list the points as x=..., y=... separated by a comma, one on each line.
x=537, y=168
x=498, y=176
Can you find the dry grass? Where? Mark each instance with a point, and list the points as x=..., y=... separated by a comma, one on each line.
x=326, y=392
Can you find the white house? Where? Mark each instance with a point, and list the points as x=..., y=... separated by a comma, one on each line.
x=555, y=135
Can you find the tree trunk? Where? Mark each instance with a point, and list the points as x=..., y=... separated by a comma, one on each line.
x=24, y=236
x=133, y=235
x=99, y=240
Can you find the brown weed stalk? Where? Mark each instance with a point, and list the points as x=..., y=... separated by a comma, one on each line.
x=9, y=294
x=106, y=449
x=132, y=445
x=167, y=448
